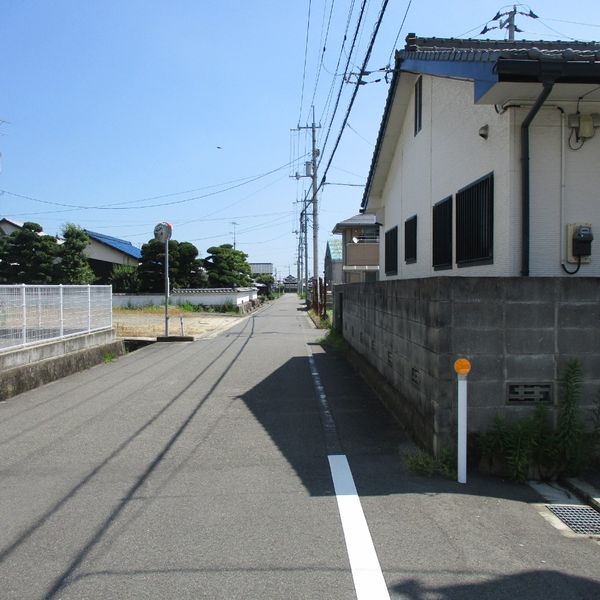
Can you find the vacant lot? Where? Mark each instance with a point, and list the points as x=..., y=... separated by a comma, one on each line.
x=150, y=323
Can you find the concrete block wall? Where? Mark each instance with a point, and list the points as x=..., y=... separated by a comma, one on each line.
x=514, y=330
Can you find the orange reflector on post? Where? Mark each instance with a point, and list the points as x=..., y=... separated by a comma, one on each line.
x=462, y=366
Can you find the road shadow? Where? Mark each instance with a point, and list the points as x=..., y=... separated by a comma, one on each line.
x=288, y=408
x=533, y=585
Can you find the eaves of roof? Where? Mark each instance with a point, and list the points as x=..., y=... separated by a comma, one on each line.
x=360, y=220
x=380, y=136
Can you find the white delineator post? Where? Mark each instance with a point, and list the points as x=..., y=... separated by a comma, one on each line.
x=462, y=367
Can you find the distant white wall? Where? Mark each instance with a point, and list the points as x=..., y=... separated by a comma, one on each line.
x=208, y=297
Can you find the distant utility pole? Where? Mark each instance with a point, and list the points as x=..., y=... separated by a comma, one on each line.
x=234, y=226
x=311, y=171
x=303, y=250
x=298, y=257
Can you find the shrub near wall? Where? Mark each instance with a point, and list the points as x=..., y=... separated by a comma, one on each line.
x=517, y=332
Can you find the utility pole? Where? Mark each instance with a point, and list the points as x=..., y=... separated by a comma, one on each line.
x=311, y=171
x=511, y=23
x=314, y=203
x=508, y=22
x=298, y=258
x=234, y=226
x=306, y=249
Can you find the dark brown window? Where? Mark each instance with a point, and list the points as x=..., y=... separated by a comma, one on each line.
x=418, y=105
x=391, y=251
x=442, y=234
x=475, y=222
x=410, y=240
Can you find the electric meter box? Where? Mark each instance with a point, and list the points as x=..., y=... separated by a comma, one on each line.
x=577, y=234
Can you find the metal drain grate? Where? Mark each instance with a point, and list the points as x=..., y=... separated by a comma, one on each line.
x=581, y=519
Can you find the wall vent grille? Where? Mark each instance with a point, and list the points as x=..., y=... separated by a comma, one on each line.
x=529, y=393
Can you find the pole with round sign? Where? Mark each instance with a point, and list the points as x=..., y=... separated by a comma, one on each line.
x=462, y=367
x=162, y=233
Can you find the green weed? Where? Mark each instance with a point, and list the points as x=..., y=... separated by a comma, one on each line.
x=422, y=463
x=108, y=357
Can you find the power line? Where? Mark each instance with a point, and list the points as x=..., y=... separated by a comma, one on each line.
x=474, y=29
x=265, y=225
x=572, y=22
x=118, y=206
x=266, y=241
x=305, y=54
x=323, y=51
x=362, y=137
x=555, y=31
x=336, y=74
x=337, y=102
x=214, y=212
x=356, y=87
x=389, y=62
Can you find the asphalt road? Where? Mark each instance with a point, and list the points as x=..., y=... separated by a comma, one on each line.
x=201, y=470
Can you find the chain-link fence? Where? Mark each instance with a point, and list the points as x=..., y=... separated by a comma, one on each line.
x=30, y=314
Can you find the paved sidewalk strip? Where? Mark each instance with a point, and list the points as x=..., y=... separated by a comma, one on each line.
x=366, y=570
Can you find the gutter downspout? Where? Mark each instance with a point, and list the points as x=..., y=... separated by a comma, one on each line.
x=525, y=191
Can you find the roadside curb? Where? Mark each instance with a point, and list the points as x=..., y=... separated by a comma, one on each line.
x=583, y=490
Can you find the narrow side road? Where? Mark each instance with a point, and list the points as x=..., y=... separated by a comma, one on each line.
x=227, y=468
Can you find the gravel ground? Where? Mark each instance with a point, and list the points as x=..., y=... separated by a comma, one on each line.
x=143, y=324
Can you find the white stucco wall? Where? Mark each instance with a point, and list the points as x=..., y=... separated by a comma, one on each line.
x=213, y=297
x=448, y=154
x=445, y=156
x=579, y=178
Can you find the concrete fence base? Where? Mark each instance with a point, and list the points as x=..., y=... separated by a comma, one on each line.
x=518, y=333
x=29, y=368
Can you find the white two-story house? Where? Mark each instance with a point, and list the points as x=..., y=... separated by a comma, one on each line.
x=487, y=161
x=485, y=181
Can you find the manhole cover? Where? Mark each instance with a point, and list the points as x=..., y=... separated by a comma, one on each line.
x=581, y=519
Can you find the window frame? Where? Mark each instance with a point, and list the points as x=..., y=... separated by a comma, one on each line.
x=475, y=232
x=418, y=105
x=410, y=240
x=442, y=235
x=391, y=251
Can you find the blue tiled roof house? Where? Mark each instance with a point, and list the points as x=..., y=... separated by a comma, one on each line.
x=105, y=251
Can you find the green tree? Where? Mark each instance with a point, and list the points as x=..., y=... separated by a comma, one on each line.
x=30, y=256
x=74, y=267
x=151, y=268
x=126, y=279
x=186, y=270
x=227, y=267
x=267, y=280
x=3, y=261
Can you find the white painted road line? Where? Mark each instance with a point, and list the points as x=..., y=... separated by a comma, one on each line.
x=366, y=571
x=364, y=564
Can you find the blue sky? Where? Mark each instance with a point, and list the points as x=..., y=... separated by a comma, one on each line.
x=140, y=111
